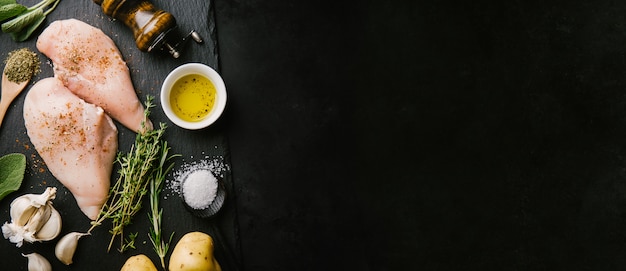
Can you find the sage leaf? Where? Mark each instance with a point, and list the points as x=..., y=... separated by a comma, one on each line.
x=6, y=2
x=25, y=33
x=18, y=23
x=10, y=10
x=12, y=168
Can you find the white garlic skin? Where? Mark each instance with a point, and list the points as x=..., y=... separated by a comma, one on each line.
x=65, y=248
x=36, y=262
x=14, y=233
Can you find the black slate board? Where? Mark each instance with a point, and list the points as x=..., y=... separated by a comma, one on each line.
x=147, y=72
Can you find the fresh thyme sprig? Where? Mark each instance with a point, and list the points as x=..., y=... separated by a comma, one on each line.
x=137, y=168
x=156, y=214
x=130, y=242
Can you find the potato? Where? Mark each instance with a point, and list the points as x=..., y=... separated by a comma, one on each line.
x=194, y=252
x=139, y=263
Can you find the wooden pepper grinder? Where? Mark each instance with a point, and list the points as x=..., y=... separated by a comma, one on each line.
x=153, y=28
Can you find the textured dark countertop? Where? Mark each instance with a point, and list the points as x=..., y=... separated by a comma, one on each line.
x=427, y=135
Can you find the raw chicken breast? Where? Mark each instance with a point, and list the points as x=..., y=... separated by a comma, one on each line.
x=90, y=65
x=76, y=139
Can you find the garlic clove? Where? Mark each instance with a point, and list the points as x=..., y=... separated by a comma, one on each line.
x=39, y=218
x=21, y=210
x=36, y=262
x=65, y=248
x=52, y=228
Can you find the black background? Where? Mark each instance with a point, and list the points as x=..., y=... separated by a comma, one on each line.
x=427, y=135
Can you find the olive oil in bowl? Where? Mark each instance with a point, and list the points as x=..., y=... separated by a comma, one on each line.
x=192, y=97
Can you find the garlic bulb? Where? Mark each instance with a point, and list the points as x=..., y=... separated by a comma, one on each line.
x=65, y=248
x=36, y=262
x=33, y=218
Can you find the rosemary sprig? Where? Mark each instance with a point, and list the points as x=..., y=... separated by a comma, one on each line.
x=138, y=167
x=156, y=214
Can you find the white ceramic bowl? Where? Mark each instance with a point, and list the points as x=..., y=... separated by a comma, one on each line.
x=187, y=69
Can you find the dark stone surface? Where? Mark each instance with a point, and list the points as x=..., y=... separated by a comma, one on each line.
x=421, y=135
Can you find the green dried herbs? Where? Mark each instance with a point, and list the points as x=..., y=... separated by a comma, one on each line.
x=21, y=65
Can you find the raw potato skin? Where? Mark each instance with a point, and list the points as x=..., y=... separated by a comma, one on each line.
x=139, y=263
x=194, y=252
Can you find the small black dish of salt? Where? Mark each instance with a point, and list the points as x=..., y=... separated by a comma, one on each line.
x=202, y=193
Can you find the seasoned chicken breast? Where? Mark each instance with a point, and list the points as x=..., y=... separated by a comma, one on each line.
x=77, y=141
x=90, y=65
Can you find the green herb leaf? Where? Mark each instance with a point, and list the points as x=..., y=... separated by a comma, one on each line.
x=25, y=20
x=12, y=168
x=6, y=2
x=20, y=22
x=25, y=33
x=10, y=10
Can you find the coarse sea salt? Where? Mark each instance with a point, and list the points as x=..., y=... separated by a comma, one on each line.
x=199, y=189
x=215, y=165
